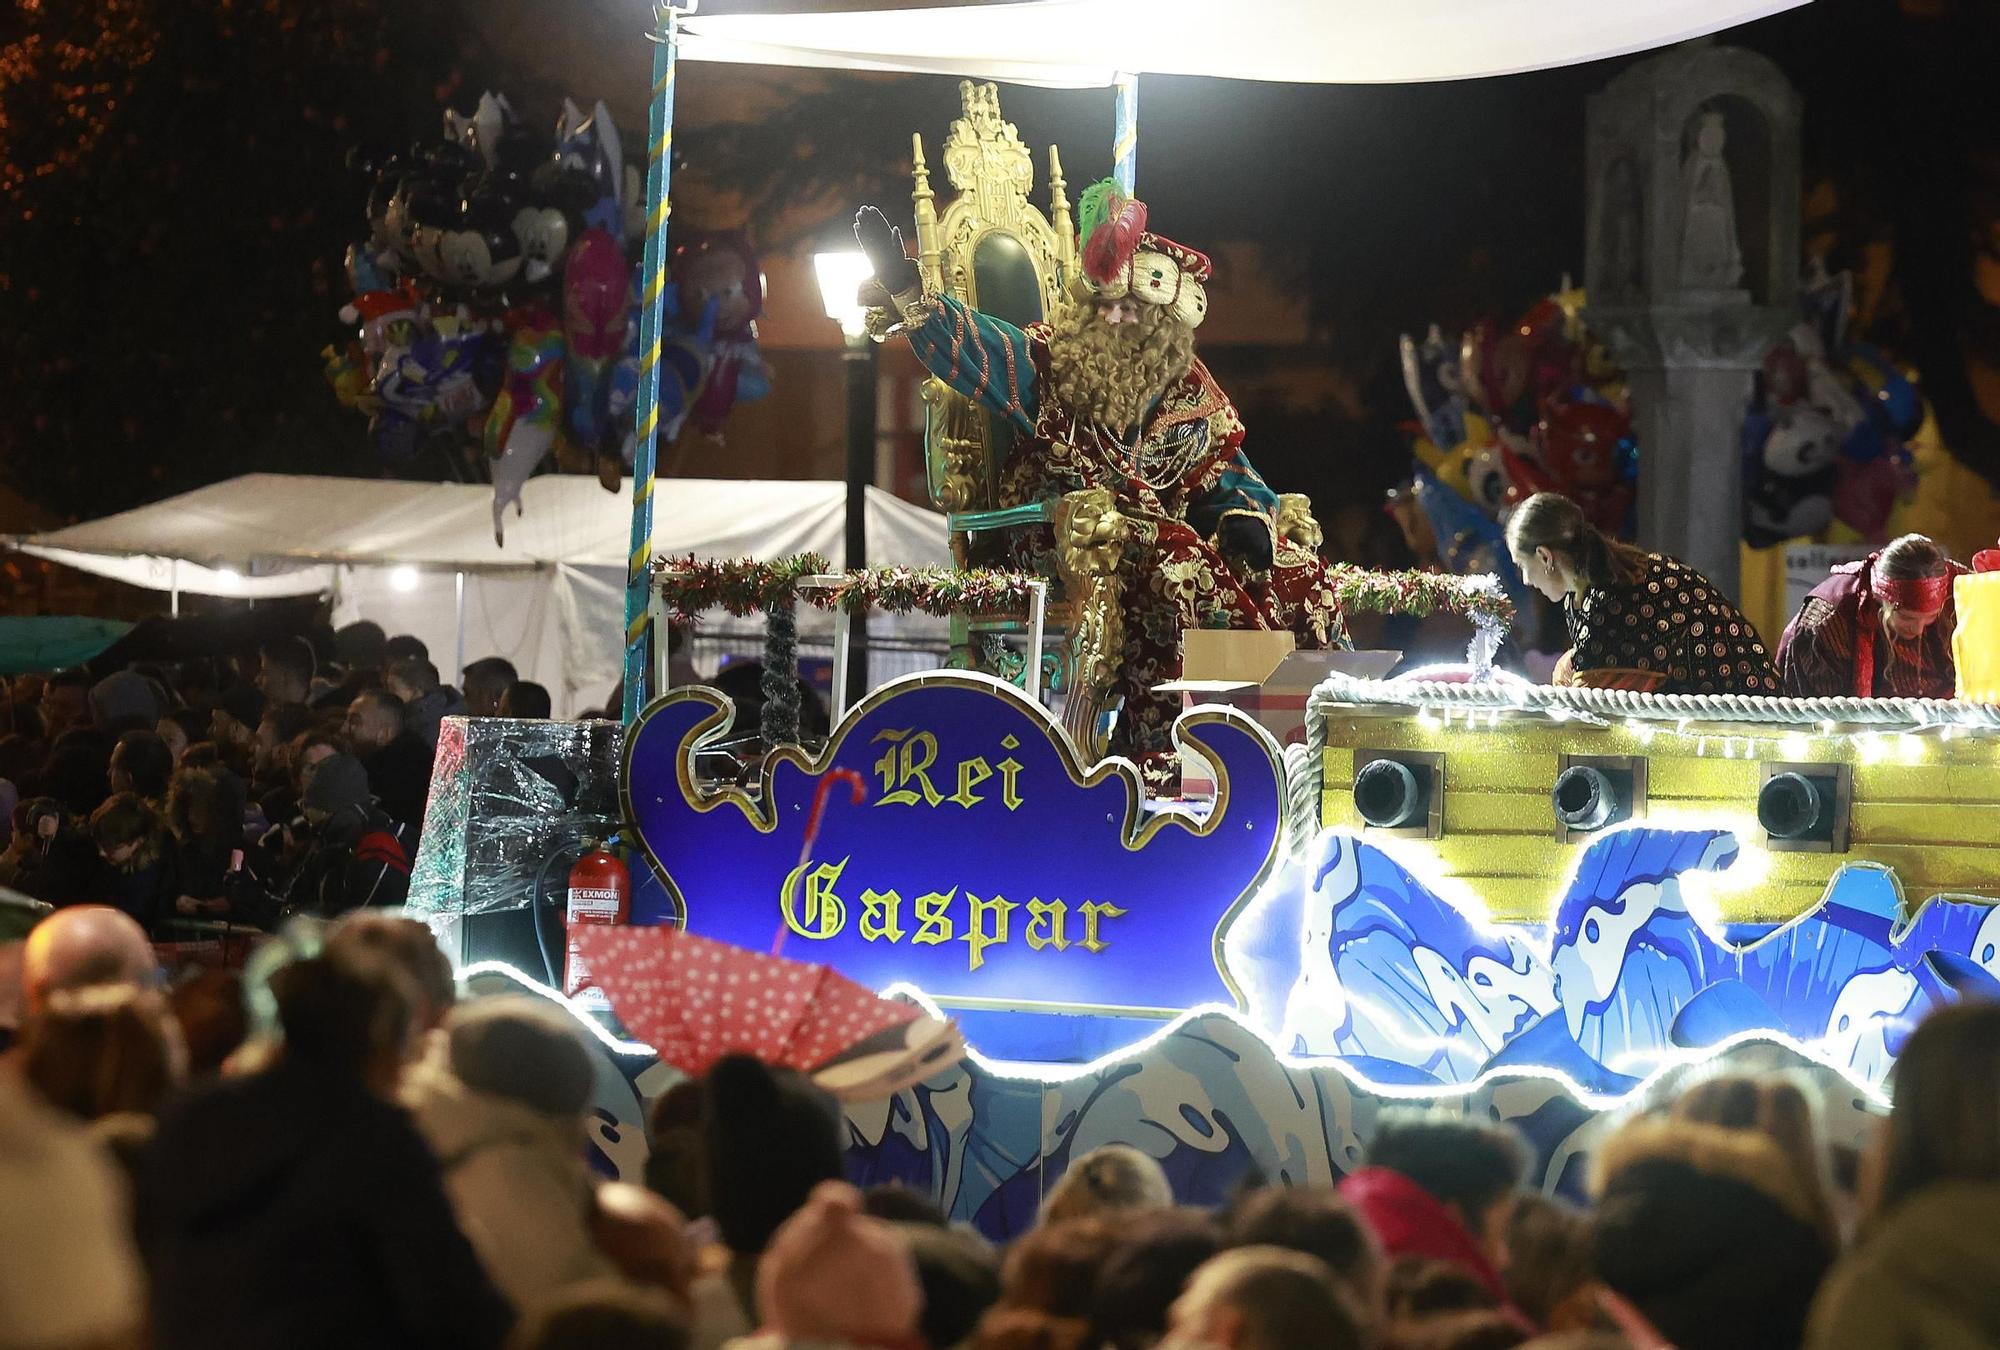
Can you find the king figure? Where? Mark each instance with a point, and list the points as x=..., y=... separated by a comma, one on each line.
x=1109, y=395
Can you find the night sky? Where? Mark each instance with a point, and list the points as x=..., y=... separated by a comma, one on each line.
x=178, y=205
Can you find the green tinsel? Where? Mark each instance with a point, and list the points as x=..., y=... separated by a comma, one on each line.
x=780, y=723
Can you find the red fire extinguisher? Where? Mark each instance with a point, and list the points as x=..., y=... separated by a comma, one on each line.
x=600, y=891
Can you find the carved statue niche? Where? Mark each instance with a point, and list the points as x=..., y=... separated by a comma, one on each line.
x=1711, y=259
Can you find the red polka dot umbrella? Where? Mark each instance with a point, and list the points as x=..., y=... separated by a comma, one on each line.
x=695, y=1000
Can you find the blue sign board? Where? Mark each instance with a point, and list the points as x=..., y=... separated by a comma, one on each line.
x=984, y=863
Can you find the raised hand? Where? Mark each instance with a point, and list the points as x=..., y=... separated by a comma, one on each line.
x=882, y=244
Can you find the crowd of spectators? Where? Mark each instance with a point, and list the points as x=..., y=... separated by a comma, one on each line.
x=389, y=1164
x=289, y=778
x=345, y=1152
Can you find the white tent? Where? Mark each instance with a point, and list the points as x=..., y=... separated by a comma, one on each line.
x=551, y=601
x=1091, y=43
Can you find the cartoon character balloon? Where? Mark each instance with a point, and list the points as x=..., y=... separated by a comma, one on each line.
x=721, y=270
x=1818, y=388
x=526, y=417
x=494, y=273
x=595, y=284
x=1791, y=471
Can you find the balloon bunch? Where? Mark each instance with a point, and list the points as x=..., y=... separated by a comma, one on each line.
x=1505, y=413
x=1826, y=436
x=496, y=305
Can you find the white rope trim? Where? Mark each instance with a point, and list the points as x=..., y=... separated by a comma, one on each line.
x=1602, y=705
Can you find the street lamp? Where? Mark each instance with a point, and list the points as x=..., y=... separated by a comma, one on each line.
x=840, y=277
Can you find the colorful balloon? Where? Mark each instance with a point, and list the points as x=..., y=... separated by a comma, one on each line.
x=527, y=413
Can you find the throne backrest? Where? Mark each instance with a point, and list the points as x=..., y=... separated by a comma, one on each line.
x=993, y=250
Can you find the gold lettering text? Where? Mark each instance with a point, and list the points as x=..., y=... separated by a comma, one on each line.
x=1045, y=924
x=977, y=936
x=933, y=919
x=1092, y=912
x=971, y=773
x=823, y=913
x=1009, y=767
x=881, y=916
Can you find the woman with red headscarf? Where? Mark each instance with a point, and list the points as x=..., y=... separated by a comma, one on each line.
x=1876, y=629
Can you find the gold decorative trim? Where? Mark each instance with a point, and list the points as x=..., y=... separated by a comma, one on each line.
x=1135, y=833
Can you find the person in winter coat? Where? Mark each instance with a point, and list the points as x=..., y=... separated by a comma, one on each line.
x=69, y=1275
x=427, y=701
x=1927, y=1272
x=359, y=856
x=137, y=873
x=205, y=818
x=503, y=1110
x=298, y=1206
x=1709, y=1232
x=758, y=1139
x=50, y=855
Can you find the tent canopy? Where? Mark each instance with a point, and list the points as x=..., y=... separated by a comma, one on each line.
x=1090, y=43
x=279, y=534
x=552, y=601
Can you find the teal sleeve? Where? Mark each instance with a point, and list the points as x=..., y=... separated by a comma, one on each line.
x=984, y=358
x=1236, y=490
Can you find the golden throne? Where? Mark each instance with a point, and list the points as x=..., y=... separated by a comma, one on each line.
x=995, y=251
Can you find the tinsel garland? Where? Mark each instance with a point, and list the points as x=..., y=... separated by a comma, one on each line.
x=1478, y=599
x=741, y=586
x=780, y=683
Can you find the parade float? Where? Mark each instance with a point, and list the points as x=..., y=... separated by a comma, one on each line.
x=1453, y=889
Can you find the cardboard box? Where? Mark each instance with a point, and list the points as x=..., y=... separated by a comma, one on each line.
x=1265, y=675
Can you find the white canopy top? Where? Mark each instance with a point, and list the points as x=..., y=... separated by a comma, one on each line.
x=279, y=534
x=1089, y=43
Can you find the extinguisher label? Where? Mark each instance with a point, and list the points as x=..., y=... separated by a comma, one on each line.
x=593, y=904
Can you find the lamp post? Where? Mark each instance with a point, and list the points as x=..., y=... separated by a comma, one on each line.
x=840, y=276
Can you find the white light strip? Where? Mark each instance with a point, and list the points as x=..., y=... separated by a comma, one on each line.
x=520, y=976
x=1670, y=1059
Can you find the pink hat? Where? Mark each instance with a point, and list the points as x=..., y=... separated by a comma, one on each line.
x=832, y=1273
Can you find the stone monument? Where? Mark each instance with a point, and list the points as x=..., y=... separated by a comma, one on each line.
x=1692, y=231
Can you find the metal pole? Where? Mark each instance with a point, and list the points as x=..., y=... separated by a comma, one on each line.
x=1125, y=133
x=174, y=583
x=659, y=168
x=859, y=362
x=458, y=602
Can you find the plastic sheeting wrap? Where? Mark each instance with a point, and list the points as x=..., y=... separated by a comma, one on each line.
x=506, y=794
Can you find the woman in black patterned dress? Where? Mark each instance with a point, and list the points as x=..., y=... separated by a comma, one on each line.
x=1637, y=620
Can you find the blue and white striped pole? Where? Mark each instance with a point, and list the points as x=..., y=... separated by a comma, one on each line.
x=639, y=635
x=1125, y=133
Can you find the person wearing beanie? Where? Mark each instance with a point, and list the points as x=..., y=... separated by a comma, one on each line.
x=125, y=701
x=1440, y=1186
x=359, y=856
x=833, y=1276
x=767, y=1136
x=1709, y=1232
x=503, y=1109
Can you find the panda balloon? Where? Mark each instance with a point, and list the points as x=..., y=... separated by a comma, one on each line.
x=1792, y=467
